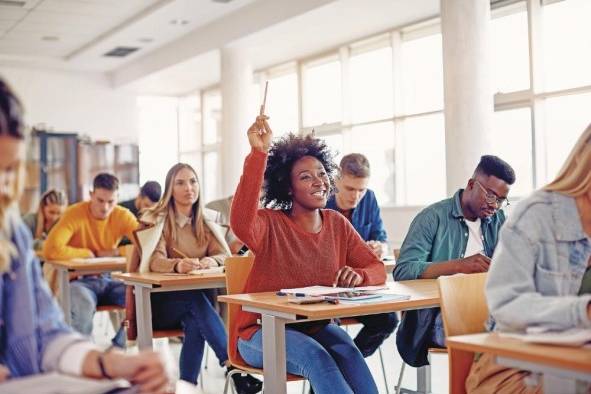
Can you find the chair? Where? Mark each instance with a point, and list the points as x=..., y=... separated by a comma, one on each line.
x=465, y=315
x=464, y=311
x=237, y=271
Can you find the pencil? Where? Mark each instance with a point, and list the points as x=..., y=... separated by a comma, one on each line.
x=184, y=256
x=262, y=112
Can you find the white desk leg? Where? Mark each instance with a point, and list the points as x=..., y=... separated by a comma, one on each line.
x=423, y=382
x=63, y=278
x=424, y=379
x=274, y=354
x=143, y=316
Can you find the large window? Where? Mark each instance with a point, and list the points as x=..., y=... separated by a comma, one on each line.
x=380, y=155
x=322, y=92
x=370, y=79
x=567, y=44
x=510, y=57
x=282, y=103
x=422, y=68
x=513, y=143
x=158, y=121
x=212, y=117
x=422, y=172
x=566, y=119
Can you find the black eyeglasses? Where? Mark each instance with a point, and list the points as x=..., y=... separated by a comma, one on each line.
x=492, y=198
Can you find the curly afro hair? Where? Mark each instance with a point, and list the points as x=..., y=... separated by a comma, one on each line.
x=282, y=156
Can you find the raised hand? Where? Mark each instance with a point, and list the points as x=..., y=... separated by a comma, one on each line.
x=260, y=134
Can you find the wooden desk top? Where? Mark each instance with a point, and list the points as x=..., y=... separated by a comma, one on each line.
x=564, y=357
x=423, y=294
x=86, y=266
x=163, y=280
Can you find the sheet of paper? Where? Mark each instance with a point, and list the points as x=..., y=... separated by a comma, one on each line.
x=119, y=259
x=323, y=290
x=212, y=270
x=379, y=298
x=53, y=383
x=572, y=337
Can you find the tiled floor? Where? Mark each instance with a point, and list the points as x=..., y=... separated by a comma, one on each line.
x=213, y=376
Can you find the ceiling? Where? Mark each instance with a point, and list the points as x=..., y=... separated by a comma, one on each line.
x=75, y=34
x=179, y=40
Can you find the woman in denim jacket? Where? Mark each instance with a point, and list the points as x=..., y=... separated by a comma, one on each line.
x=539, y=275
x=33, y=336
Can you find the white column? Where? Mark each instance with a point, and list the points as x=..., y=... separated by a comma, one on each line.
x=238, y=112
x=467, y=70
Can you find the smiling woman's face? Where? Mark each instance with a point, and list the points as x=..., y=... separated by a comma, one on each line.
x=310, y=183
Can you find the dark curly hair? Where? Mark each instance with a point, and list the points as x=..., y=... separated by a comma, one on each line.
x=282, y=156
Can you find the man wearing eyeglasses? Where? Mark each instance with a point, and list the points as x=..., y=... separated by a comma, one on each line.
x=456, y=235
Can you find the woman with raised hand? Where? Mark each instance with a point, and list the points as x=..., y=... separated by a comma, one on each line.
x=34, y=337
x=175, y=237
x=296, y=243
x=540, y=275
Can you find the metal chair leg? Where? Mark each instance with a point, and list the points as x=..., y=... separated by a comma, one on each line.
x=400, y=377
x=383, y=370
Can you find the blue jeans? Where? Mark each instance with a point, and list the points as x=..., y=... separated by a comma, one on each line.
x=192, y=311
x=88, y=292
x=328, y=359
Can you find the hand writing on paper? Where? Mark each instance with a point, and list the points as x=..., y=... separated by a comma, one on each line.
x=474, y=264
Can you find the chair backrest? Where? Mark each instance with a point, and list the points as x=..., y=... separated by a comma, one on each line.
x=463, y=303
x=464, y=311
x=237, y=272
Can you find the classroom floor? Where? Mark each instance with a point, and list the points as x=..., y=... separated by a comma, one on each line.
x=212, y=379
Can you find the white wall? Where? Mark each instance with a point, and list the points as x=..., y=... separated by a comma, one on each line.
x=67, y=101
x=397, y=221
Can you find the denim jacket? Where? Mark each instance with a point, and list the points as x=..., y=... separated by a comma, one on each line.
x=538, y=267
x=33, y=334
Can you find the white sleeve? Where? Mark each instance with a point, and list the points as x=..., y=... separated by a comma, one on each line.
x=66, y=354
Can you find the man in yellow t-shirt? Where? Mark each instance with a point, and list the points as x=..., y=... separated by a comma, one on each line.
x=92, y=229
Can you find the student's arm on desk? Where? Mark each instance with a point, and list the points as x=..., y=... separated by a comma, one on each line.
x=56, y=245
x=160, y=260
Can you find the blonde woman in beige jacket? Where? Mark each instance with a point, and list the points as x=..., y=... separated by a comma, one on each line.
x=176, y=238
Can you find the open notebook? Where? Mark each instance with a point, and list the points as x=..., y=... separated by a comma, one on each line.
x=212, y=270
x=97, y=260
x=573, y=337
x=52, y=383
